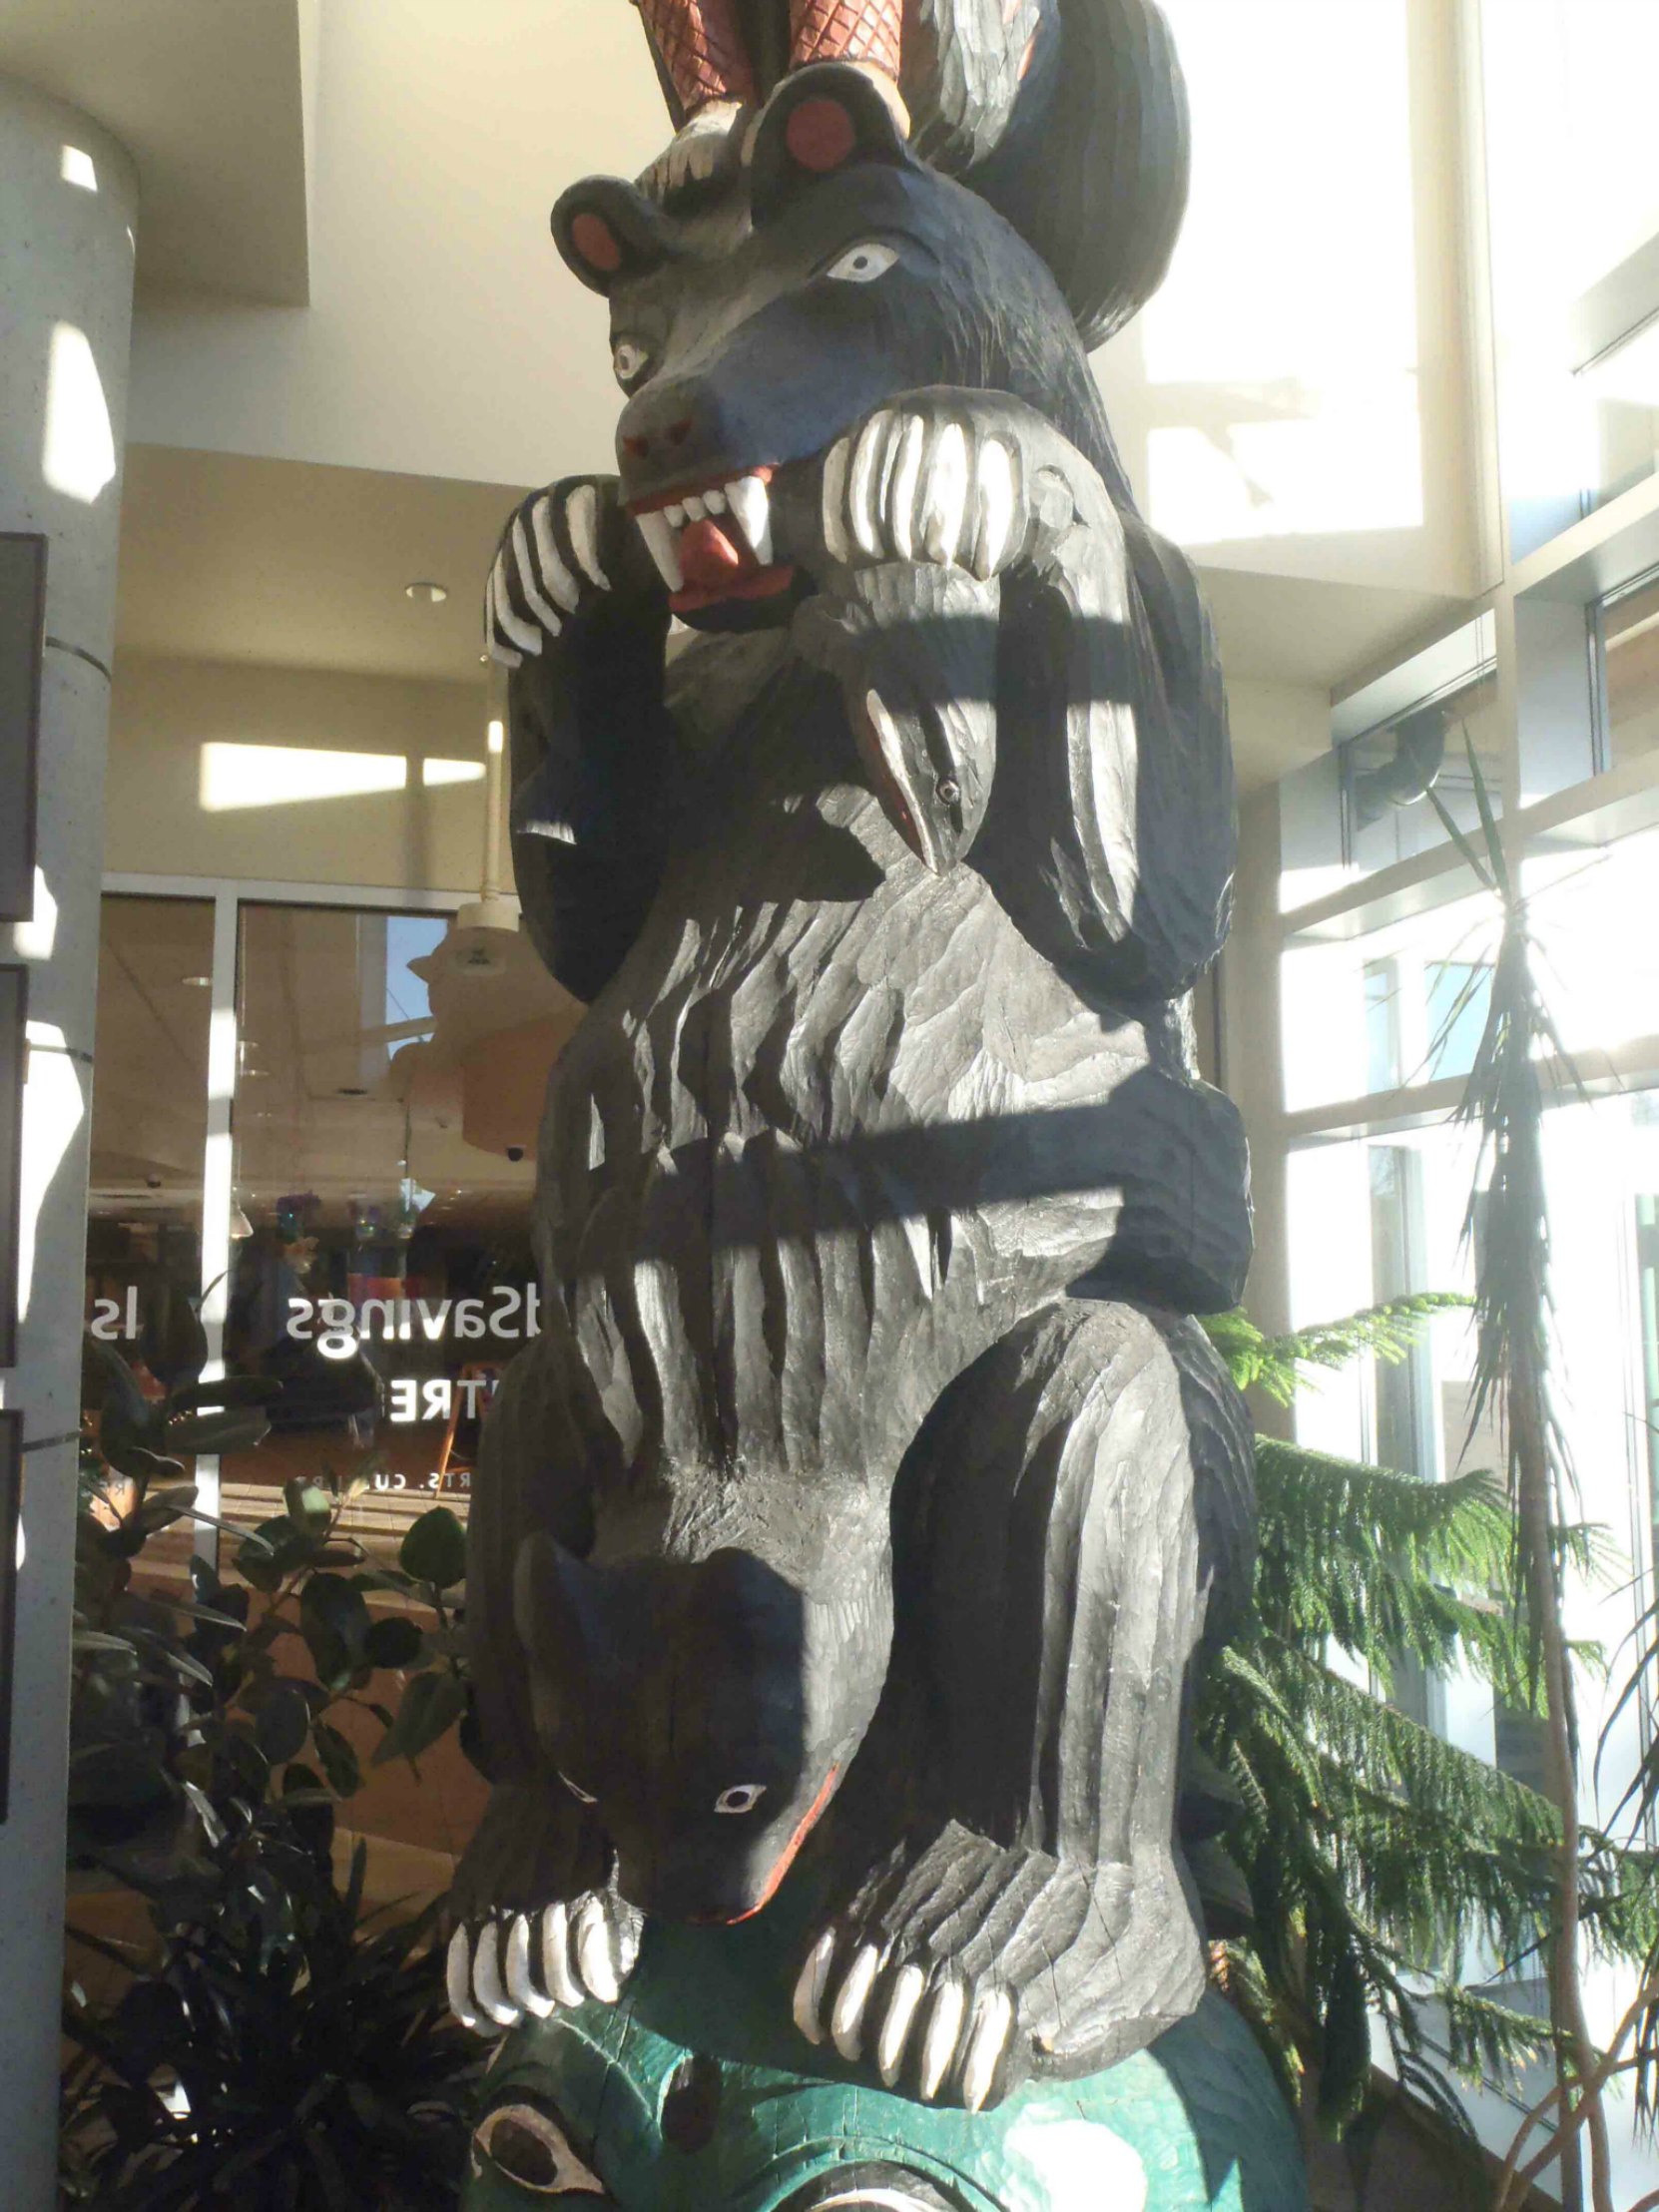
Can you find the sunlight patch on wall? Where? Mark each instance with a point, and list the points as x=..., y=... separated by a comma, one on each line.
x=437, y=772
x=1280, y=357
x=76, y=167
x=77, y=458
x=241, y=775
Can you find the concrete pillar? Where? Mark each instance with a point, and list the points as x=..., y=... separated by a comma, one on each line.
x=68, y=201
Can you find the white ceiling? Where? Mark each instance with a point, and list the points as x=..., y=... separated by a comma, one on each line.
x=226, y=558
x=207, y=97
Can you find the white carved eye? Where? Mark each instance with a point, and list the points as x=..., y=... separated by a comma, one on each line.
x=582, y=1797
x=743, y=1797
x=534, y=2151
x=862, y=264
x=627, y=360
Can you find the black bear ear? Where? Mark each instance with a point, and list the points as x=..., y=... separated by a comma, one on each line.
x=825, y=119
x=607, y=231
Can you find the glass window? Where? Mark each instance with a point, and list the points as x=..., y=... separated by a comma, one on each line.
x=1389, y=772
x=1366, y=805
x=388, y=1099
x=1628, y=631
x=149, y=1129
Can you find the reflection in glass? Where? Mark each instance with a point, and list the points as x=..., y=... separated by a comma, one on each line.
x=387, y=1102
x=149, y=1124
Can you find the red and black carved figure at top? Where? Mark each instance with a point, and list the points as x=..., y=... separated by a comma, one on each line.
x=872, y=1493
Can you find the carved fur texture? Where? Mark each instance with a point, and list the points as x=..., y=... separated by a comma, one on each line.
x=872, y=1493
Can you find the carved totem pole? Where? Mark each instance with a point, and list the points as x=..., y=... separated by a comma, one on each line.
x=851, y=1534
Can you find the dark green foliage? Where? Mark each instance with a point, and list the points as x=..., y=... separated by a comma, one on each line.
x=312, y=2045
x=1377, y=1858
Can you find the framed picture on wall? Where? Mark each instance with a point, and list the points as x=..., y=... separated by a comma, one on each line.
x=22, y=648
x=11, y=1500
x=14, y=1052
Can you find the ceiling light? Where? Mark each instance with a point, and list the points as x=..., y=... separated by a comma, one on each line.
x=430, y=595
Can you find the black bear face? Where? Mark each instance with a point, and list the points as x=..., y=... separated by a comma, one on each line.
x=836, y=272
x=696, y=1706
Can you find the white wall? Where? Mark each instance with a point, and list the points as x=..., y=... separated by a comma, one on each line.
x=165, y=813
x=1296, y=399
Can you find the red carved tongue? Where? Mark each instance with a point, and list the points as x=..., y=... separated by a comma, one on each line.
x=709, y=560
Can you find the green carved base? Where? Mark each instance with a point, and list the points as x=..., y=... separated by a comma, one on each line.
x=758, y=2122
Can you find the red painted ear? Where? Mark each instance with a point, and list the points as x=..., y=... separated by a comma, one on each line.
x=607, y=230
x=822, y=120
x=592, y=236
x=819, y=135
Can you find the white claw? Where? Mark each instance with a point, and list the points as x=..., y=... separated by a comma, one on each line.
x=901, y=2011
x=906, y=472
x=848, y=2018
x=582, y=518
x=809, y=1991
x=659, y=543
x=522, y=634
x=457, y=1974
x=555, y=575
x=521, y=1987
x=996, y=509
x=938, y=2047
x=486, y=1979
x=861, y=486
x=993, y=2018
x=945, y=500
x=545, y=614
x=835, y=541
x=555, y=1958
x=493, y=644
x=593, y=1952
x=751, y=506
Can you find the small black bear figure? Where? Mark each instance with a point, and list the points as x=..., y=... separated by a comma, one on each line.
x=870, y=1484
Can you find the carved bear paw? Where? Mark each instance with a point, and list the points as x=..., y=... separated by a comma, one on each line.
x=958, y=1965
x=553, y=1955
x=953, y=478
x=565, y=552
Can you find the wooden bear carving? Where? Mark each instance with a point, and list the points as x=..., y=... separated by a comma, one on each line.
x=872, y=1492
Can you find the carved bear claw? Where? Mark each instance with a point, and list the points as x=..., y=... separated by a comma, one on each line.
x=556, y=1955
x=937, y=2026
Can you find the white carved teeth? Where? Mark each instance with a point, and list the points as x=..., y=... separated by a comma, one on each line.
x=695, y=508
x=714, y=501
x=457, y=1974
x=895, y=2027
x=751, y=507
x=994, y=2018
x=945, y=2023
x=809, y=1991
x=522, y=1987
x=848, y=2018
x=659, y=539
x=675, y=515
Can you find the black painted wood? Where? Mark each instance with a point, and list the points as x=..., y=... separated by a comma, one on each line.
x=14, y=1055
x=873, y=1493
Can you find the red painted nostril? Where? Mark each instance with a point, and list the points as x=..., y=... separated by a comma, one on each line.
x=637, y=448
x=678, y=432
